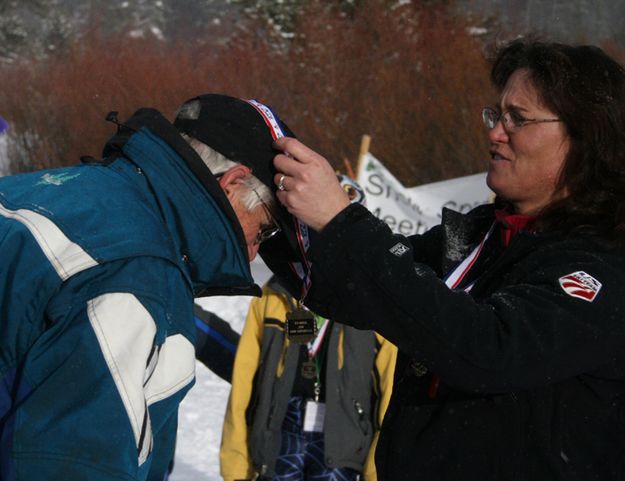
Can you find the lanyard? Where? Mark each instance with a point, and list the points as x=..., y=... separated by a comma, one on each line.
x=454, y=277
x=317, y=342
x=453, y=280
x=317, y=350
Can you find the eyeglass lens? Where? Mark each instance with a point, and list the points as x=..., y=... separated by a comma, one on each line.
x=267, y=231
x=490, y=117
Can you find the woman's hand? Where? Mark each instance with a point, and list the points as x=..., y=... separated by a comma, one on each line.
x=307, y=184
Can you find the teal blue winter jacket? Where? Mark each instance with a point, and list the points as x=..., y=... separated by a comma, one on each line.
x=99, y=265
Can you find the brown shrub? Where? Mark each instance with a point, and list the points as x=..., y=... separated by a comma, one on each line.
x=62, y=101
x=410, y=77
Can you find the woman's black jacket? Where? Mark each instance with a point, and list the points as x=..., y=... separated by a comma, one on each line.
x=522, y=378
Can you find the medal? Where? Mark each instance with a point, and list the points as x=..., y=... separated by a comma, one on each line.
x=308, y=370
x=301, y=326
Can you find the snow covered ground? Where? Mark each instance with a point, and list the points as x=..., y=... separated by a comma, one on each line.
x=202, y=411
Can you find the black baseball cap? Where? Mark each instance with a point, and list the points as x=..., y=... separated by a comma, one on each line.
x=244, y=131
x=236, y=129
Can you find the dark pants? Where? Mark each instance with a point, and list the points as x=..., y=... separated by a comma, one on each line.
x=301, y=453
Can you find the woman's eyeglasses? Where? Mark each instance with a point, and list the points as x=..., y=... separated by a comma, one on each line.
x=511, y=121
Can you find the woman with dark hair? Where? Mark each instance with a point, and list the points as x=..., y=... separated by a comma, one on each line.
x=584, y=88
x=510, y=320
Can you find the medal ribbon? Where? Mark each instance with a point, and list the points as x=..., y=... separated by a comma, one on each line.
x=301, y=229
x=453, y=280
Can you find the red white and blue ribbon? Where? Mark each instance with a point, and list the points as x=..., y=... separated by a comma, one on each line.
x=269, y=117
x=301, y=230
x=454, y=278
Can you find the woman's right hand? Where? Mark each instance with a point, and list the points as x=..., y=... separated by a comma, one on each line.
x=310, y=189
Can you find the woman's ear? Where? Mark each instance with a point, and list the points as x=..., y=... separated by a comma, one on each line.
x=232, y=175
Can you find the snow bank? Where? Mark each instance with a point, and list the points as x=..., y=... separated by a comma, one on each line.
x=202, y=411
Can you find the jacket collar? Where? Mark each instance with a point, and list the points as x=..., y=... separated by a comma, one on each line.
x=461, y=232
x=195, y=209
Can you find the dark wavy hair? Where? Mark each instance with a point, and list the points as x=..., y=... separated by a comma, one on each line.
x=586, y=89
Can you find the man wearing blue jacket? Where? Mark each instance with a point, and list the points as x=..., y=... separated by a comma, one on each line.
x=99, y=265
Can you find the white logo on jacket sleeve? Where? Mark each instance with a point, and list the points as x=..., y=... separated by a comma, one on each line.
x=67, y=257
x=399, y=249
x=581, y=285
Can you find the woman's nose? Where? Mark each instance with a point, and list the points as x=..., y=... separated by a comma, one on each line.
x=498, y=134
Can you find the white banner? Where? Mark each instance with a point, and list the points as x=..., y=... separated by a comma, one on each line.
x=414, y=210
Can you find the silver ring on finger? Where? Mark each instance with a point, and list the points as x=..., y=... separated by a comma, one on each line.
x=281, y=182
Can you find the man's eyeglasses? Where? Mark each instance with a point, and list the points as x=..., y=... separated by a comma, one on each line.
x=511, y=120
x=266, y=231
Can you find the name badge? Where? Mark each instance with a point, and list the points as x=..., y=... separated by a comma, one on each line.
x=301, y=326
x=314, y=416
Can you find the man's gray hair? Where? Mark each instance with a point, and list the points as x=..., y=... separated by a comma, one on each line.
x=218, y=164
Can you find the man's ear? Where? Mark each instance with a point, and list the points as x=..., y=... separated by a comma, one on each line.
x=232, y=175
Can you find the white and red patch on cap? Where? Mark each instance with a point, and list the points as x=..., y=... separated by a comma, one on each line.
x=581, y=285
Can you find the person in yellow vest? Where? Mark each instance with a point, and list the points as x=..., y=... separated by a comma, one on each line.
x=304, y=408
